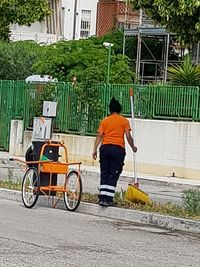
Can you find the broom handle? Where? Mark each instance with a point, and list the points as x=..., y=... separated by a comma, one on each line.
x=133, y=135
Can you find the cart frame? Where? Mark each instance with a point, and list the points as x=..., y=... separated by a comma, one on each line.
x=31, y=188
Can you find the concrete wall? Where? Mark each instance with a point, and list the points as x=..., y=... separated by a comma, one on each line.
x=44, y=38
x=165, y=148
x=39, y=27
x=16, y=144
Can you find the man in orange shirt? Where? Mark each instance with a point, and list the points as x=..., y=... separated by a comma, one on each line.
x=112, y=151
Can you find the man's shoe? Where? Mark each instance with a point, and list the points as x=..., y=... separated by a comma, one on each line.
x=112, y=204
x=100, y=202
x=103, y=203
x=106, y=204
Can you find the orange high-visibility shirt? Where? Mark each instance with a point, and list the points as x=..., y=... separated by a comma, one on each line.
x=113, y=129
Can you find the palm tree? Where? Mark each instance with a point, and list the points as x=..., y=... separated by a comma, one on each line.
x=186, y=73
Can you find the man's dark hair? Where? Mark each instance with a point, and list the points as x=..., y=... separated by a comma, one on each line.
x=115, y=106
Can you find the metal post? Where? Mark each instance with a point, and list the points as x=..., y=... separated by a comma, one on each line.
x=166, y=58
x=109, y=57
x=75, y=12
x=139, y=46
x=109, y=47
x=124, y=43
x=125, y=23
x=197, y=57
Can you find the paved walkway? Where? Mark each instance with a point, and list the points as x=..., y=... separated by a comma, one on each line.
x=160, y=189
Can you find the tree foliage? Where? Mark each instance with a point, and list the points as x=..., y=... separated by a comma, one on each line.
x=180, y=17
x=115, y=38
x=20, y=12
x=84, y=59
x=88, y=61
x=17, y=59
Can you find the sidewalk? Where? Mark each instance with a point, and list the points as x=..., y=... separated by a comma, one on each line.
x=160, y=189
x=152, y=178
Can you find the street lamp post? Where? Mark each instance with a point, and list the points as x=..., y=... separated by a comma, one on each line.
x=109, y=47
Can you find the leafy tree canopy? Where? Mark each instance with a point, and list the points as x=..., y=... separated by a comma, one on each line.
x=84, y=59
x=115, y=38
x=20, y=12
x=17, y=59
x=180, y=17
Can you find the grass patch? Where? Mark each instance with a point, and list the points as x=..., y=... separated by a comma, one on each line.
x=190, y=209
x=11, y=185
x=191, y=201
x=163, y=209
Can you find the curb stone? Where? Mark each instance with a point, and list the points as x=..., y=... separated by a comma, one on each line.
x=129, y=215
x=90, y=179
x=13, y=168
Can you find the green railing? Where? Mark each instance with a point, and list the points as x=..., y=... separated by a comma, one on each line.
x=6, y=100
x=176, y=103
x=19, y=100
x=167, y=102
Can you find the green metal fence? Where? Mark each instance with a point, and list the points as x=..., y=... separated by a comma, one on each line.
x=176, y=103
x=5, y=112
x=79, y=111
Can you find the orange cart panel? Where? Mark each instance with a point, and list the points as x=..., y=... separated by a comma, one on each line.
x=54, y=167
x=56, y=188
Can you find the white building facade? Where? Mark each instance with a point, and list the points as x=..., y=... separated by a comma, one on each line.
x=70, y=20
x=79, y=18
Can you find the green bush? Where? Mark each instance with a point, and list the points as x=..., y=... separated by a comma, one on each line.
x=186, y=73
x=17, y=59
x=191, y=201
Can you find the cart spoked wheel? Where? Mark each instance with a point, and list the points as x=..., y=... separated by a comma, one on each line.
x=30, y=186
x=72, y=196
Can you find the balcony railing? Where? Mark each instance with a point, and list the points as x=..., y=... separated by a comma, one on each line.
x=44, y=38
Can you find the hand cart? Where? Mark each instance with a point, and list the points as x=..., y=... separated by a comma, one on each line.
x=32, y=188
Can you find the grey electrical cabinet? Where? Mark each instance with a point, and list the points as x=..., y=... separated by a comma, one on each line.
x=41, y=129
x=49, y=109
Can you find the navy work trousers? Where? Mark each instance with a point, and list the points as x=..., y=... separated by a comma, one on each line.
x=111, y=165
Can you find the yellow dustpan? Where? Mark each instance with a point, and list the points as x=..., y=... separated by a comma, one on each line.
x=133, y=193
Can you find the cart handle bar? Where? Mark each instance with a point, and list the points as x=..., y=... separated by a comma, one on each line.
x=43, y=161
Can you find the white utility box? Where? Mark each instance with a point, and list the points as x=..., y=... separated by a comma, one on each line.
x=49, y=109
x=41, y=129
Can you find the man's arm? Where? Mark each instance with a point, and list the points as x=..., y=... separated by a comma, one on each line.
x=96, y=144
x=130, y=140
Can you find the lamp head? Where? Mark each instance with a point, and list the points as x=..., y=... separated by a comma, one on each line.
x=106, y=44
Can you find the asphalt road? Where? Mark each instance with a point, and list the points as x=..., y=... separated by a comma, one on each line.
x=52, y=237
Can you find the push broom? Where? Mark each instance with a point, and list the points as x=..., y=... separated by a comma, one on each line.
x=133, y=193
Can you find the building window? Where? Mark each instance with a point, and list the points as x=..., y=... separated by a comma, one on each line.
x=85, y=23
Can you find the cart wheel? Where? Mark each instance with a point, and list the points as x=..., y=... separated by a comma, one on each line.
x=72, y=196
x=30, y=186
